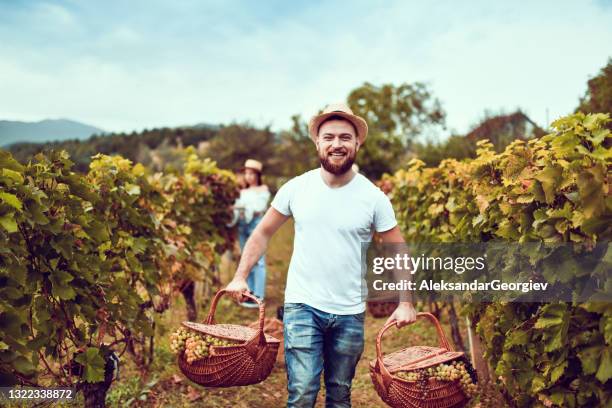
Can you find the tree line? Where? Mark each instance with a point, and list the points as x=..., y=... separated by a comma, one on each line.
x=399, y=116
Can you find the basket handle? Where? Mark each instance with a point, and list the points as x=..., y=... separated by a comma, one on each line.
x=255, y=346
x=386, y=376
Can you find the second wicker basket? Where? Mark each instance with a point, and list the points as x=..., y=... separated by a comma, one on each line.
x=400, y=393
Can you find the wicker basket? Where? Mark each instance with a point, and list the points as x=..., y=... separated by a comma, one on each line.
x=381, y=309
x=246, y=363
x=274, y=327
x=399, y=393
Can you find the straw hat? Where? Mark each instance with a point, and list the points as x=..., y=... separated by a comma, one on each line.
x=342, y=110
x=253, y=164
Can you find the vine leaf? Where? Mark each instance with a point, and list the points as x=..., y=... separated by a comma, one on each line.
x=93, y=364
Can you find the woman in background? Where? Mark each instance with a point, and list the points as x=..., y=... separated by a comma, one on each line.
x=248, y=211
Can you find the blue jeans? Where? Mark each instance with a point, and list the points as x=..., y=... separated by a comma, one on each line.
x=257, y=278
x=317, y=341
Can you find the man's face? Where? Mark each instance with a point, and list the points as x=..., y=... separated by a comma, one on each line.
x=337, y=146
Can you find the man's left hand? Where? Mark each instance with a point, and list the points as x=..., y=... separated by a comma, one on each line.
x=404, y=314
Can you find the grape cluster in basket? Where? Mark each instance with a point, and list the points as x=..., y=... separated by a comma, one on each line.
x=195, y=345
x=451, y=371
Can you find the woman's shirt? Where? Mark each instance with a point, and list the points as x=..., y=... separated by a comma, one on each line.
x=252, y=201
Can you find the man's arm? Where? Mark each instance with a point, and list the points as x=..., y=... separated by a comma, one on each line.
x=254, y=248
x=404, y=313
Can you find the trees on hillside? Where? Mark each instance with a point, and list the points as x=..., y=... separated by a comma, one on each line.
x=235, y=143
x=455, y=147
x=296, y=152
x=501, y=129
x=396, y=115
x=134, y=146
x=598, y=96
x=405, y=110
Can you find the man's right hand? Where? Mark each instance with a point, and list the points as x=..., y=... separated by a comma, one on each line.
x=236, y=288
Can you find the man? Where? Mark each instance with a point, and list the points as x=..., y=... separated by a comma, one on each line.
x=335, y=210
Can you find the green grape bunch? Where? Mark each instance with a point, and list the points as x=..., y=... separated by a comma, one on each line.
x=411, y=376
x=196, y=348
x=195, y=345
x=457, y=370
x=178, y=339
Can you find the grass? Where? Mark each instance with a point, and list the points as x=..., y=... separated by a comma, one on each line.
x=165, y=386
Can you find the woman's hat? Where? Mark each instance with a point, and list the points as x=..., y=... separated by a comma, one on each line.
x=342, y=110
x=253, y=164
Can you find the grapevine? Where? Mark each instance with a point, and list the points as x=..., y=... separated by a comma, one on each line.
x=552, y=189
x=87, y=259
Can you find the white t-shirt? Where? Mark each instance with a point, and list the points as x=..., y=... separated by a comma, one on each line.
x=330, y=226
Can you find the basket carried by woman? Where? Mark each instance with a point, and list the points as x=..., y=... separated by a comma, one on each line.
x=249, y=361
x=425, y=393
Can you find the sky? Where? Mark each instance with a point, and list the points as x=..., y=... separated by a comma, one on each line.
x=125, y=66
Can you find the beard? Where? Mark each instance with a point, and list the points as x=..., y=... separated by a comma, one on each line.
x=337, y=168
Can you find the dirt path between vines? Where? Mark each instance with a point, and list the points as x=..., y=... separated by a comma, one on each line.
x=168, y=388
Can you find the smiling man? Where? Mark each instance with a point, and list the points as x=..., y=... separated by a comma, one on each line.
x=335, y=210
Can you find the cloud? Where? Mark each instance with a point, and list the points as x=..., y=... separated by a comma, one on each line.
x=53, y=14
x=124, y=66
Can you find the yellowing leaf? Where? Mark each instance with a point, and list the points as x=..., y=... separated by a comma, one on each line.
x=482, y=203
x=11, y=200
x=8, y=223
x=132, y=189
x=589, y=357
x=604, y=373
x=12, y=175
x=591, y=188
x=138, y=170
x=601, y=153
x=599, y=136
x=558, y=371
x=550, y=177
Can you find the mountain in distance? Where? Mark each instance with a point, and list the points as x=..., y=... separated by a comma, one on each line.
x=203, y=125
x=44, y=131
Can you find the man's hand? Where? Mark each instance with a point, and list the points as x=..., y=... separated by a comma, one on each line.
x=236, y=288
x=404, y=314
